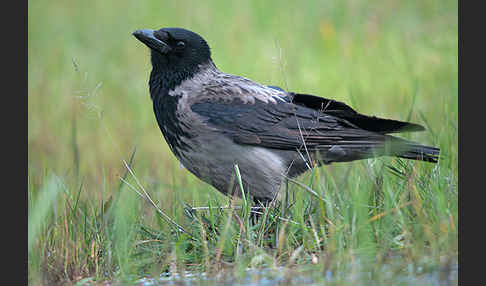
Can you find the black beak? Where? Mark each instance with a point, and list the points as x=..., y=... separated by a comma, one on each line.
x=147, y=37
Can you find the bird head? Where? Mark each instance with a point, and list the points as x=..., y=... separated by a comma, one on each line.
x=175, y=50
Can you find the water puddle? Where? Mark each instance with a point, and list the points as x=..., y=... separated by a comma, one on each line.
x=411, y=275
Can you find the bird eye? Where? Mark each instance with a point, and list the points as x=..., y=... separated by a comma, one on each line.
x=180, y=45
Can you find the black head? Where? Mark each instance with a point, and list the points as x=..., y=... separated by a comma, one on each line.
x=177, y=51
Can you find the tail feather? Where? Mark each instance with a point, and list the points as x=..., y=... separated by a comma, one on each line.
x=421, y=152
x=410, y=150
x=377, y=146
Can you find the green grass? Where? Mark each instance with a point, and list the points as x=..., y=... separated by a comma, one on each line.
x=90, y=116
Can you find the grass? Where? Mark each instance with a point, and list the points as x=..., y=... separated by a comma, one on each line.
x=95, y=151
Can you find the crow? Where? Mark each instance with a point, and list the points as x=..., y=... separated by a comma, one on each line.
x=213, y=121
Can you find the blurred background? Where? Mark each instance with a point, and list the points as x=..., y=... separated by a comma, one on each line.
x=89, y=110
x=89, y=104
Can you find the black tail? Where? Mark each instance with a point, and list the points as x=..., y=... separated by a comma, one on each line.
x=411, y=150
x=422, y=153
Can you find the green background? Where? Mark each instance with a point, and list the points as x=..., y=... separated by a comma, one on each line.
x=89, y=105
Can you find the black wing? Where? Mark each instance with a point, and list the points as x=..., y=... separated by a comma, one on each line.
x=341, y=110
x=318, y=123
x=287, y=125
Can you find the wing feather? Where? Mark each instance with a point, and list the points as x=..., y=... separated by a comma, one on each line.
x=283, y=125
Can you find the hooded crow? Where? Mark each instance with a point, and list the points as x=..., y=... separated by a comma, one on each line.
x=212, y=120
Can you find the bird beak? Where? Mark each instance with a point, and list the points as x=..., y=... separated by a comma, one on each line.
x=147, y=37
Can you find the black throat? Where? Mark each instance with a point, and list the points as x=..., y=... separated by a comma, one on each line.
x=165, y=109
x=161, y=82
x=167, y=73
